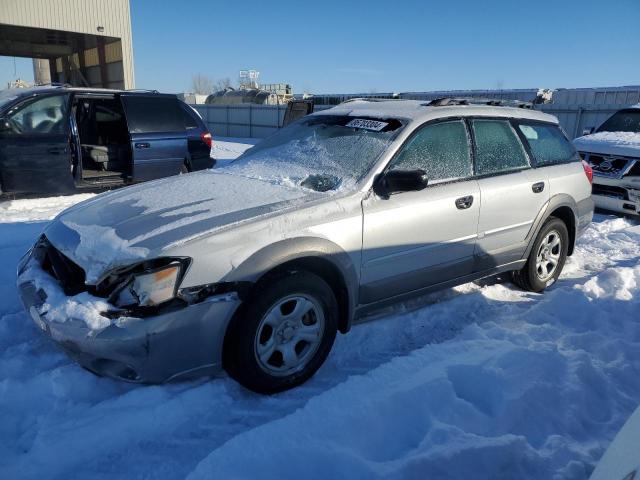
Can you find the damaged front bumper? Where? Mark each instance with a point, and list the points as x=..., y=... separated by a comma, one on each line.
x=617, y=195
x=172, y=344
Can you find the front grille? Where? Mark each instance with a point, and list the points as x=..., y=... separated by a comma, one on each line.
x=70, y=275
x=609, y=166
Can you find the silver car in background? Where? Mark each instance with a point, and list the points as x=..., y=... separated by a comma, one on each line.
x=254, y=267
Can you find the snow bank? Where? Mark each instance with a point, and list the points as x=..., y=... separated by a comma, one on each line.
x=33, y=209
x=529, y=394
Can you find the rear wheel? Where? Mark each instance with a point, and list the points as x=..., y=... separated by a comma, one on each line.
x=546, y=259
x=283, y=334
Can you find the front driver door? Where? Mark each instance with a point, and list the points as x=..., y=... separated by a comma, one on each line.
x=35, y=146
x=412, y=240
x=158, y=138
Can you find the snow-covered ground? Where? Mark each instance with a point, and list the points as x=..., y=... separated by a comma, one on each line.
x=226, y=149
x=481, y=381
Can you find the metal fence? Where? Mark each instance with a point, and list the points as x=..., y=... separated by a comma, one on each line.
x=259, y=121
x=246, y=121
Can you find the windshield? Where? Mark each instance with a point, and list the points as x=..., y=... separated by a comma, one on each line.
x=623, y=121
x=322, y=152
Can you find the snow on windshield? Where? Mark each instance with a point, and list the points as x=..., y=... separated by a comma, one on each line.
x=322, y=153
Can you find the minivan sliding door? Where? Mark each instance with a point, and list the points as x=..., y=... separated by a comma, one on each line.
x=158, y=140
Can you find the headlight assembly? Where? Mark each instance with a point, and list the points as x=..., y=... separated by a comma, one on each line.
x=150, y=288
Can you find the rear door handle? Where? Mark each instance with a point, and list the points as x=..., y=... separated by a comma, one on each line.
x=537, y=187
x=463, y=203
x=143, y=145
x=56, y=151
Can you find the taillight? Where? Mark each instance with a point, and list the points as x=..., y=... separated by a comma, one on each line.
x=206, y=138
x=588, y=171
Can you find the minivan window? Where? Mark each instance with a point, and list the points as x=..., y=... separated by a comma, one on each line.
x=440, y=149
x=189, y=120
x=498, y=148
x=45, y=115
x=547, y=143
x=153, y=114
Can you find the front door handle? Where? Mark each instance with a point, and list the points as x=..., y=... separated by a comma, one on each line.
x=463, y=203
x=57, y=151
x=143, y=145
x=537, y=187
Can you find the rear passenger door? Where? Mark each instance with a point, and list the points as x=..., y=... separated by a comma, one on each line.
x=553, y=154
x=512, y=192
x=158, y=139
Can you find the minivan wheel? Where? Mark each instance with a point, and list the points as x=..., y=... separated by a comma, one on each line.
x=546, y=259
x=283, y=334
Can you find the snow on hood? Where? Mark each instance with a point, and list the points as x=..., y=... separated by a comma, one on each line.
x=614, y=143
x=133, y=223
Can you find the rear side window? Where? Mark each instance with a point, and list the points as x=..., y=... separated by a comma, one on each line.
x=547, y=143
x=189, y=117
x=440, y=149
x=498, y=148
x=153, y=114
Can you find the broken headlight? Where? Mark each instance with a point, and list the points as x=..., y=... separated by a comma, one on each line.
x=150, y=288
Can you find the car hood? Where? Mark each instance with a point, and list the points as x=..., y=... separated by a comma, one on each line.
x=136, y=223
x=610, y=143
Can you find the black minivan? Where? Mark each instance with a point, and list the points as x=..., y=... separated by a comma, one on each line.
x=56, y=139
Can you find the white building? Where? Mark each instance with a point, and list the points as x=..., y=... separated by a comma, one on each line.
x=84, y=42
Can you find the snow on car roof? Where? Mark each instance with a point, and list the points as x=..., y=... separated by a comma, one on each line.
x=417, y=110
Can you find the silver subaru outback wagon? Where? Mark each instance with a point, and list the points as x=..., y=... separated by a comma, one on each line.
x=254, y=267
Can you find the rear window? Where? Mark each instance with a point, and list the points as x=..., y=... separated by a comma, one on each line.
x=547, y=143
x=153, y=114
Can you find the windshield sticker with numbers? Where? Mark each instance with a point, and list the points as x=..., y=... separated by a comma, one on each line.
x=367, y=124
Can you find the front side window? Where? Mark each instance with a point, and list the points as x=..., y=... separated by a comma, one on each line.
x=498, y=148
x=440, y=149
x=547, y=143
x=45, y=115
x=146, y=114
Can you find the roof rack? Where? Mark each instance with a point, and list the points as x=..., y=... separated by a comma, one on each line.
x=369, y=99
x=495, y=102
x=52, y=84
x=142, y=90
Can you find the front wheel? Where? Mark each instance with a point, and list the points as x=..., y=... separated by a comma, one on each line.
x=283, y=334
x=546, y=259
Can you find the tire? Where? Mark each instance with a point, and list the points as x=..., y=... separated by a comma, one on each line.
x=263, y=348
x=539, y=273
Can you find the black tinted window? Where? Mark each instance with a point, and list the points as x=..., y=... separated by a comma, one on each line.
x=189, y=117
x=440, y=149
x=498, y=148
x=153, y=114
x=548, y=145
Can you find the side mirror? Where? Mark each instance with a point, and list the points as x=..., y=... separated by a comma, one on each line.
x=400, y=181
x=4, y=124
x=588, y=131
